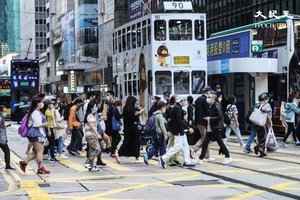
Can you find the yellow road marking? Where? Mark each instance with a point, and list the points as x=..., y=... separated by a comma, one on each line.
x=73, y=165
x=116, y=166
x=247, y=195
x=136, y=187
x=34, y=191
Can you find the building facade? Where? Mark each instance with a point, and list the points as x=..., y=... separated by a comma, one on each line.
x=226, y=14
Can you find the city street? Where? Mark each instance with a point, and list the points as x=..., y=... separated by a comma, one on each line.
x=275, y=177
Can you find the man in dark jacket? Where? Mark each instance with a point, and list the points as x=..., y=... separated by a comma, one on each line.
x=201, y=111
x=176, y=126
x=215, y=127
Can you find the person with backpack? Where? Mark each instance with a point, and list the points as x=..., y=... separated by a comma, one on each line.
x=160, y=133
x=36, y=135
x=233, y=125
x=291, y=109
x=4, y=142
x=215, y=127
x=176, y=126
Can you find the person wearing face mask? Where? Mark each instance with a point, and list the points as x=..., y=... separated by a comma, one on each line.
x=291, y=109
x=92, y=136
x=51, y=124
x=215, y=127
x=176, y=126
x=264, y=107
x=36, y=135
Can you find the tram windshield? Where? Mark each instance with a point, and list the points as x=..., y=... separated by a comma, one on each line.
x=163, y=82
x=180, y=30
x=181, y=82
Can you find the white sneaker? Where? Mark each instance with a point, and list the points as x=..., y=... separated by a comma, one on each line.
x=227, y=161
x=201, y=162
x=63, y=156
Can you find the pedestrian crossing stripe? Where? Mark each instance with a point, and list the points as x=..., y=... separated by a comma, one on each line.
x=34, y=191
x=73, y=165
x=16, y=159
x=116, y=166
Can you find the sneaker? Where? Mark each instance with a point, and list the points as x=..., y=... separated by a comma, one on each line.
x=189, y=165
x=9, y=168
x=146, y=159
x=63, y=156
x=227, y=161
x=87, y=165
x=23, y=166
x=53, y=160
x=162, y=163
x=43, y=170
x=100, y=163
x=94, y=169
x=247, y=150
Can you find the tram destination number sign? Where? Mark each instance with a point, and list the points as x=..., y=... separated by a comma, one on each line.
x=169, y=6
x=257, y=46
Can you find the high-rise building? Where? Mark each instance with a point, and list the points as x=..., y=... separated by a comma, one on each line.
x=33, y=28
x=226, y=14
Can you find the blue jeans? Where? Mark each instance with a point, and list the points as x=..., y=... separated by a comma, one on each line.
x=60, y=145
x=251, y=139
x=158, y=147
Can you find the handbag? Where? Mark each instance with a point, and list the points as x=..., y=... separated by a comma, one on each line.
x=258, y=117
x=271, y=141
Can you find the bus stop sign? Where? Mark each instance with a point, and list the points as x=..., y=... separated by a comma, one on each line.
x=257, y=46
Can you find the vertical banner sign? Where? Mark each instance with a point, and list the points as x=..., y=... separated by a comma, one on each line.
x=72, y=82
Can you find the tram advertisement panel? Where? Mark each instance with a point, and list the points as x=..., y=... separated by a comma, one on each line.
x=24, y=85
x=5, y=96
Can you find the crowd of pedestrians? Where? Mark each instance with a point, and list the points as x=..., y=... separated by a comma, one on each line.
x=179, y=130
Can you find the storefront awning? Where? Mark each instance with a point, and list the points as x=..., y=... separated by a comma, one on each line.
x=243, y=65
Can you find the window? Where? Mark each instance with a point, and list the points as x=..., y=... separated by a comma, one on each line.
x=133, y=36
x=199, y=30
x=126, y=85
x=198, y=81
x=163, y=82
x=160, y=29
x=36, y=34
x=144, y=33
x=180, y=29
x=134, y=84
x=129, y=84
x=116, y=42
x=181, y=82
x=114, y=50
x=124, y=40
x=149, y=32
x=119, y=42
x=48, y=72
x=139, y=35
x=128, y=39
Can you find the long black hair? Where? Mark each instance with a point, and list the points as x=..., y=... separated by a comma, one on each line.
x=34, y=104
x=89, y=110
x=130, y=105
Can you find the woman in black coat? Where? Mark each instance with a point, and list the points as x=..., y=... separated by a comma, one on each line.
x=131, y=118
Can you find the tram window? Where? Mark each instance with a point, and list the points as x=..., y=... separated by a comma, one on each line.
x=128, y=39
x=149, y=31
x=119, y=42
x=163, y=82
x=133, y=36
x=134, y=84
x=199, y=30
x=198, y=81
x=160, y=29
x=139, y=37
x=182, y=82
x=116, y=43
x=180, y=29
x=144, y=33
x=123, y=40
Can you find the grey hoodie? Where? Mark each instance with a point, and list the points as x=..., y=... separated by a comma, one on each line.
x=160, y=123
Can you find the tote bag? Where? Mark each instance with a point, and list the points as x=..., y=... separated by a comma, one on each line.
x=258, y=117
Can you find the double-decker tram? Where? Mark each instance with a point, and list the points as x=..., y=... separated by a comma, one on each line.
x=160, y=54
x=24, y=85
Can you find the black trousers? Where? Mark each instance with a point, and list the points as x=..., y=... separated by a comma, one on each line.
x=115, y=139
x=291, y=129
x=76, y=140
x=261, y=139
x=6, y=151
x=210, y=136
x=51, y=140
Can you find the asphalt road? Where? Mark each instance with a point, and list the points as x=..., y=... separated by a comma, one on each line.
x=275, y=177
